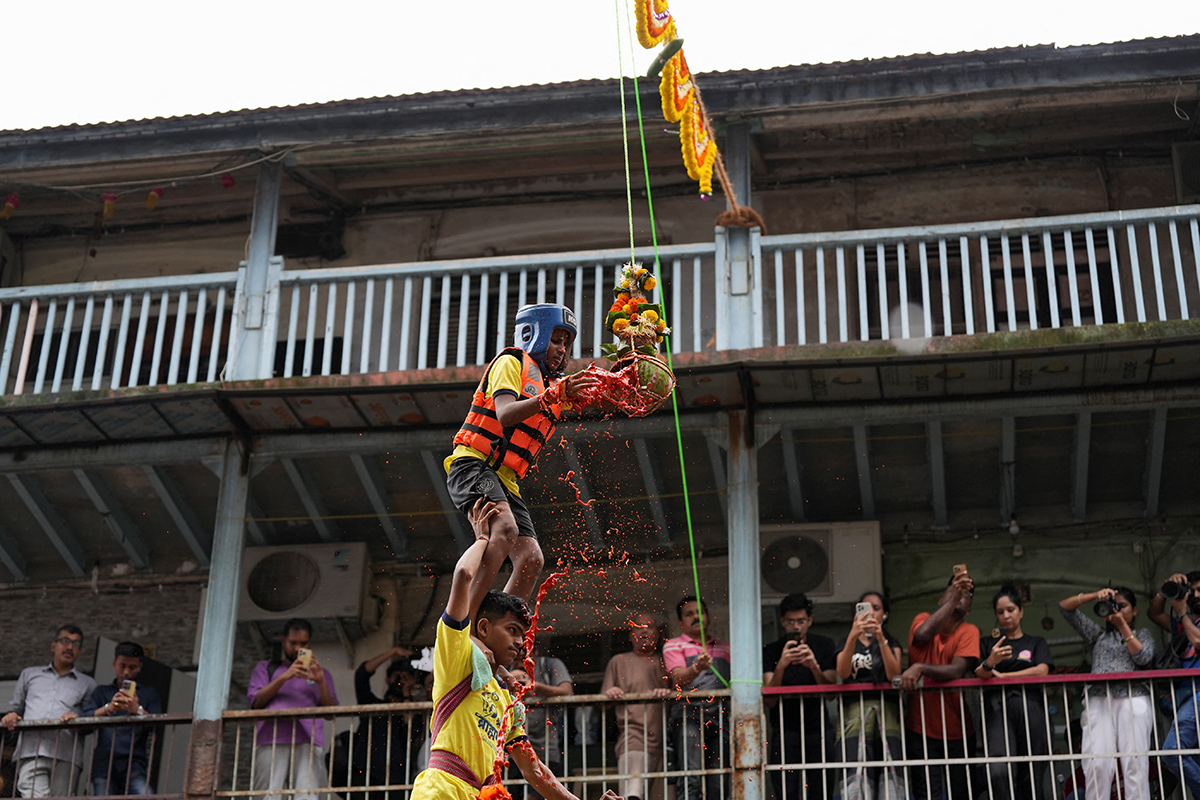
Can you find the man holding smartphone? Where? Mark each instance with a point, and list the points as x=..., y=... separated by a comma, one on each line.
x=291, y=751
x=120, y=759
x=799, y=658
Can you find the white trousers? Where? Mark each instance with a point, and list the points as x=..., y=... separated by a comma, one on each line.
x=290, y=766
x=42, y=776
x=1117, y=725
x=636, y=763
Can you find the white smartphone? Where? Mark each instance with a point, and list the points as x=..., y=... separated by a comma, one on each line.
x=863, y=610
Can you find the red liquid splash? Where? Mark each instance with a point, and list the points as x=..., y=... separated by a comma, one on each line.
x=567, y=479
x=501, y=759
x=621, y=390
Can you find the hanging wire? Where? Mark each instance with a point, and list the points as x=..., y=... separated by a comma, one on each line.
x=687, y=506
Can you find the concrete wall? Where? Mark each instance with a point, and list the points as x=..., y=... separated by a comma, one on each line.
x=1015, y=189
x=163, y=617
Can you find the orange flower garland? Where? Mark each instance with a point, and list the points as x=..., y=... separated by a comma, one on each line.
x=654, y=22
x=699, y=146
x=676, y=88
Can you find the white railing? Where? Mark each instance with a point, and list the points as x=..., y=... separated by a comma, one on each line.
x=1019, y=739
x=376, y=752
x=897, y=283
x=946, y=280
x=460, y=313
x=115, y=334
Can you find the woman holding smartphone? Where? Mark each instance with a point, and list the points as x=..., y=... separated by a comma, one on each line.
x=869, y=654
x=1015, y=715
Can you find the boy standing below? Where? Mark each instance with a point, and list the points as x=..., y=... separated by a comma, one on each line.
x=471, y=709
x=520, y=399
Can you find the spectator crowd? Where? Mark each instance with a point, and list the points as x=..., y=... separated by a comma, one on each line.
x=677, y=716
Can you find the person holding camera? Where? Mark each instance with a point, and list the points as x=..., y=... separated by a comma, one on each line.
x=1117, y=716
x=1014, y=714
x=1182, y=620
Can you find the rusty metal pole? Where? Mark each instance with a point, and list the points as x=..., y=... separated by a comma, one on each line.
x=745, y=609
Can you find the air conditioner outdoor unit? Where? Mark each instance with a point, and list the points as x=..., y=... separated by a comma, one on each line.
x=310, y=581
x=831, y=562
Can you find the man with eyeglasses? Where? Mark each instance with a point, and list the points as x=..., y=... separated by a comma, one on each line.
x=49, y=762
x=942, y=646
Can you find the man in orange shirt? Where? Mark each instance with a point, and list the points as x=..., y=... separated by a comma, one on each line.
x=941, y=647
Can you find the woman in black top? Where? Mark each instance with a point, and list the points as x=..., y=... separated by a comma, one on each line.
x=1015, y=715
x=861, y=658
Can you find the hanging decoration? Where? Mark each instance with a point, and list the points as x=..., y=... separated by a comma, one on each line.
x=676, y=88
x=682, y=103
x=699, y=146
x=152, y=198
x=110, y=203
x=654, y=22
x=11, y=203
x=639, y=380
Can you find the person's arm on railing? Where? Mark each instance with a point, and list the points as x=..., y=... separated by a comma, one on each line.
x=17, y=705
x=956, y=669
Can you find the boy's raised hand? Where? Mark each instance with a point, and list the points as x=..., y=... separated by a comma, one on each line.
x=480, y=517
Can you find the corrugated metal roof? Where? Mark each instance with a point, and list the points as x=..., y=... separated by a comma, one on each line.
x=861, y=67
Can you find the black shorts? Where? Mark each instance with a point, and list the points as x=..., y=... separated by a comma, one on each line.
x=470, y=479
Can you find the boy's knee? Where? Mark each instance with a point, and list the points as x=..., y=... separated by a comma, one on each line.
x=532, y=558
x=505, y=527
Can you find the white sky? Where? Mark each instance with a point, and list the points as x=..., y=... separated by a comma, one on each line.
x=67, y=61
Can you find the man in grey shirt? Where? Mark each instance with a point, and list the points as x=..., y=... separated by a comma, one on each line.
x=49, y=762
x=546, y=725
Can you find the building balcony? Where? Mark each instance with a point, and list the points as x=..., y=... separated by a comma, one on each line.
x=1034, y=295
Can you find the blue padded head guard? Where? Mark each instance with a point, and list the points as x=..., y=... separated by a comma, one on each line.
x=535, y=325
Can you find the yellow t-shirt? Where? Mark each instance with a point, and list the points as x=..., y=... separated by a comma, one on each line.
x=505, y=375
x=473, y=728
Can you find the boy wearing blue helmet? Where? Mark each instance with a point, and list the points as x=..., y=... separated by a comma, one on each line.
x=519, y=400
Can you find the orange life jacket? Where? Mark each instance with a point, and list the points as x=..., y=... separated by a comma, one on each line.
x=515, y=447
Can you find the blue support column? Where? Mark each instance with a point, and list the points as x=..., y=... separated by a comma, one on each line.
x=220, y=624
x=254, y=353
x=739, y=285
x=745, y=610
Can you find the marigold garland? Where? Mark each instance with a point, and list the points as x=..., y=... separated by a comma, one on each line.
x=676, y=88
x=699, y=146
x=654, y=22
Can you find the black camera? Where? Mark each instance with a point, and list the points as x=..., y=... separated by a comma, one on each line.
x=1174, y=590
x=1104, y=608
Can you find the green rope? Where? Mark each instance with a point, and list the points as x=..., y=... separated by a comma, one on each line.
x=687, y=506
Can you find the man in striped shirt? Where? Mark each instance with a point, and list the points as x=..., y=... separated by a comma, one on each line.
x=698, y=666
